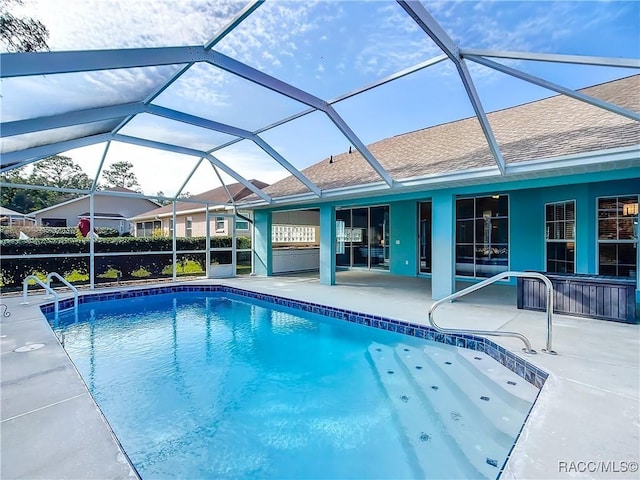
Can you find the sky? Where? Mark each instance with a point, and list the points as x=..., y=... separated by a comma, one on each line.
x=327, y=48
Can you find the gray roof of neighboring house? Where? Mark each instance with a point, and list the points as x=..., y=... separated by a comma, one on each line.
x=6, y=212
x=98, y=192
x=551, y=127
x=217, y=196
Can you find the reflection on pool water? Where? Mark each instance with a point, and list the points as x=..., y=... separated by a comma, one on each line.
x=213, y=385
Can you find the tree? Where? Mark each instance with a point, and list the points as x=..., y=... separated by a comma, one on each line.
x=56, y=171
x=17, y=199
x=59, y=171
x=121, y=175
x=21, y=34
x=160, y=193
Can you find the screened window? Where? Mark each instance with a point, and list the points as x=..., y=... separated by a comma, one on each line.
x=482, y=235
x=147, y=229
x=54, y=222
x=219, y=224
x=560, y=227
x=618, y=235
x=242, y=224
x=188, y=227
x=171, y=227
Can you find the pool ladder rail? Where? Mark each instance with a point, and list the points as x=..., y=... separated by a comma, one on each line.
x=52, y=293
x=497, y=333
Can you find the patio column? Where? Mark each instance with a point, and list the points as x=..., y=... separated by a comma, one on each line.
x=443, y=278
x=262, y=255
x=327, y=245
x=585, y=249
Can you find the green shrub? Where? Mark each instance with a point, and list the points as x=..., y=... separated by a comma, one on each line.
x=13, y=271
x=7, y=232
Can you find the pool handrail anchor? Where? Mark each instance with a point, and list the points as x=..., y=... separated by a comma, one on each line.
x=497, y=333
x=51, y=291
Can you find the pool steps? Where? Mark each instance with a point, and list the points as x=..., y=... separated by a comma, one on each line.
x=476, y=437
x=424, y=433
x=513, y=389
x=499, y=412
x=493, y=407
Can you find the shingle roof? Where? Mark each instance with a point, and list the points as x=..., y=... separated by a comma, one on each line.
x=8, y=212
x=98, y=192
x=552, y=127
x=216, y=196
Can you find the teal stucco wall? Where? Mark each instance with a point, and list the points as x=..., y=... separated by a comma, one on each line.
x=527, y=199
x=403, y=229
x=262, y=258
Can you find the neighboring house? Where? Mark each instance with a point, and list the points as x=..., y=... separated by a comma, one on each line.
x=109, y=211
x=190, y=217
x=568, y=201
x=11, y=217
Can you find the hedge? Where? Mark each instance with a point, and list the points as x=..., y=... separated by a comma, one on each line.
x=13, y=271
x=7, y=232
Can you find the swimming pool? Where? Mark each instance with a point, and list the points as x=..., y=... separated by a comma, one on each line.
x=211, y=384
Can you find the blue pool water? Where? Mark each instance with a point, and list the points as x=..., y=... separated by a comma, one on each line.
x=210, y=385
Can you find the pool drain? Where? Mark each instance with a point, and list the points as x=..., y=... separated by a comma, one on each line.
x=29, y=348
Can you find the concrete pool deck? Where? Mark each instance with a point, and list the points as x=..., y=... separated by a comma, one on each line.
x=585, y=423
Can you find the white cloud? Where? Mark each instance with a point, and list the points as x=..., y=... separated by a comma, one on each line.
x=92, y=24
x=275, y=27
x=315, y=44
x=395, y=42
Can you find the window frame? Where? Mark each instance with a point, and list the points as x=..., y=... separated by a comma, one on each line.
x=564, y=240
x=617, y=241
x=45, y=222
x=220, y=220
x=475, y=242
x=144, y=228
x=240, y=221
x=188, y=227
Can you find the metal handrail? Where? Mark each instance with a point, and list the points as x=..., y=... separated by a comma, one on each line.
x=25, y=286
x=71, y=287
x=497, y=333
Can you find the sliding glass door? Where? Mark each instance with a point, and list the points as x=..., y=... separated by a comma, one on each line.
x=424, y=223
x=379, y=237
x=362, y=237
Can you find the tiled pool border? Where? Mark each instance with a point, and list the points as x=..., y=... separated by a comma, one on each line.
x=519, y=366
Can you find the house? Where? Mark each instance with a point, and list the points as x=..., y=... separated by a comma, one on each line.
x=568, y=202
x=109, y=210
x=190, y=216
x=11, y=217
